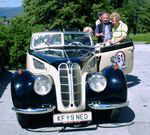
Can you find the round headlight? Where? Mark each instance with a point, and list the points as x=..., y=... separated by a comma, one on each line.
x=43, y=85
x=97, y=82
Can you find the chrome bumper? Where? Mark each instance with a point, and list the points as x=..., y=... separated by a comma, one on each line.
x=100, y=106
x=34, y=111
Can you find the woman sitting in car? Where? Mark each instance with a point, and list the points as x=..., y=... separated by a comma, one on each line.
x=119, y=30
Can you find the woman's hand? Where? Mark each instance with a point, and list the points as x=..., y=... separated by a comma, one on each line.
x=99, y=34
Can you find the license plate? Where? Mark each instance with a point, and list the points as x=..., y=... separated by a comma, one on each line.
x=72, y=117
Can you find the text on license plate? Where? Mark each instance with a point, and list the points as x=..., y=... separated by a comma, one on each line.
x=72, y=117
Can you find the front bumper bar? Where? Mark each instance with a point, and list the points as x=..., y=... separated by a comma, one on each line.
x=102, y=106
x=34, y=110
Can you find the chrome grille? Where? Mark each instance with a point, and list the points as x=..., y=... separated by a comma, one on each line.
x=70, y=81
x=63, y=74
x=76, y=73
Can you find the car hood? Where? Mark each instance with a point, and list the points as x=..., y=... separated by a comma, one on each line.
x=50, y=56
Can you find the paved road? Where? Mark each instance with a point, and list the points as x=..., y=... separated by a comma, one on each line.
x=134, y=120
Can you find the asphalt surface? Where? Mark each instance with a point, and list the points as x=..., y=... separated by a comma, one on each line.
x=133, y=120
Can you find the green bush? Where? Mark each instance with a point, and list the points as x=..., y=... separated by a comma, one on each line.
x=142, y=37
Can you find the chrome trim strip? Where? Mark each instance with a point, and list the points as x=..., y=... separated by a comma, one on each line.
x=71, y=84
x=107, y=106
x=61, y=69
x=34, y=111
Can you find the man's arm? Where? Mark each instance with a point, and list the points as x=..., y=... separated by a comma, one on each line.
x=97, y=31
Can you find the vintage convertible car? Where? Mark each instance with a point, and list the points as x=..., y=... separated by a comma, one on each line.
x=68, y=77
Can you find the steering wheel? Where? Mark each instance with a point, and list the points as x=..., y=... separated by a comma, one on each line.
x=75, y=43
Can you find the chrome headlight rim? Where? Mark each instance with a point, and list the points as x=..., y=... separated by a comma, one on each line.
x=43, y=87
x=101, y=82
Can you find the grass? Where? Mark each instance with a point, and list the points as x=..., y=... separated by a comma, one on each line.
x=142, y=37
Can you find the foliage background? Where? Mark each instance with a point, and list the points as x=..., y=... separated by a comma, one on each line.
x=41, y=15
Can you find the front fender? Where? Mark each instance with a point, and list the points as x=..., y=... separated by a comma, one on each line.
x=116, y=90
x=116, y=82
x=23, y=95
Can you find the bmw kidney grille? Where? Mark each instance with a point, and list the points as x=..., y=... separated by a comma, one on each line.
x=70, y=81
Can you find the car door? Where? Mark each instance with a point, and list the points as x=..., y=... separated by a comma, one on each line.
x=123, y=54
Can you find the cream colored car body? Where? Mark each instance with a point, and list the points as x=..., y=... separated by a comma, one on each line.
x=124, y=53
x=54, y=73
x=105, y=61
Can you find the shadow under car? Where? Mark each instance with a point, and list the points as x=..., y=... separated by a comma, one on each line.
x=132, y=80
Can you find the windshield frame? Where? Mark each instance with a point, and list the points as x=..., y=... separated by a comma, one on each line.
x=32, y=47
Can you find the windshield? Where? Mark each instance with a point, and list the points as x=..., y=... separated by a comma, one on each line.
x=43, y=40
x=46, y=40
x=77, y=39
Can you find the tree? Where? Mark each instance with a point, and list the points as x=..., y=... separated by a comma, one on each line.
x=20, y=33
x=117, y=3
x=64, y=14
x=5, y=41
x=135, y=13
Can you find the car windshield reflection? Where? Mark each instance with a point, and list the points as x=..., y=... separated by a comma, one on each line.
x=77, y=39
x=43, y=40
x=47, y=40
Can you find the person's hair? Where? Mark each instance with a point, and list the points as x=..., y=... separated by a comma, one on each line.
x=102, y=13
x=105, y=13
x=115, y=15
x=99, y=14
x=88, y=29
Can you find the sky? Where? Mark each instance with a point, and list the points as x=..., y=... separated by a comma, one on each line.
x=10, y=3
